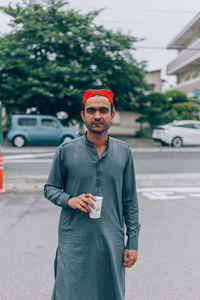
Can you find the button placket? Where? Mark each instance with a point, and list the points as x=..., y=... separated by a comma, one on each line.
x=97, y=175
x=94, y=151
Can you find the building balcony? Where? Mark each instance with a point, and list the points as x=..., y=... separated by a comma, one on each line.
x=187, y=59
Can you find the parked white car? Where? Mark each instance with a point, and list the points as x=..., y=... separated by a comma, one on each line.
x=178, y=133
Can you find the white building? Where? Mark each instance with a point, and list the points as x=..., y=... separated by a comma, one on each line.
x=186, y=66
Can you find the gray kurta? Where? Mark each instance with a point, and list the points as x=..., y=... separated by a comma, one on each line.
x=89, y=257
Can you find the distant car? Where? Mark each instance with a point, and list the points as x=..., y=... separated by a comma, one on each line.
x=38, y=129
x=178, y=133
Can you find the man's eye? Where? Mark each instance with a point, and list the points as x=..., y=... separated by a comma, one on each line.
x=90, y=110
x=103, y=110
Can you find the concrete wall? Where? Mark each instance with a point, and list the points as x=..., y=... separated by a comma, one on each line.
x=125, y=123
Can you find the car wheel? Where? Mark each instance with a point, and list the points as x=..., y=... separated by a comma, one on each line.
x=19, y=141
x=67, y=138
x=177, y=142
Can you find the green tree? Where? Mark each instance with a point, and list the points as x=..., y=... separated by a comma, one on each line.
x=152, y=107
x=186, y=110
x=53, y=54
x=176, y=96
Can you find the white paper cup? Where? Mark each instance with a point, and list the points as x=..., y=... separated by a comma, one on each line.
x=96, y=212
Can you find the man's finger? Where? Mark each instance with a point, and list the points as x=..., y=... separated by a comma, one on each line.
x=125, y=256
x=130, y=262
x=128, y=265
x=91, y=196
x=88, y=201
x=130, y=257
x=82, y=203
x=81, y=208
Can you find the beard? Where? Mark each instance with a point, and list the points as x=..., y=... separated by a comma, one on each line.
x=97, y=129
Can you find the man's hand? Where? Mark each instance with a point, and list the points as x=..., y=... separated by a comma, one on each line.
x=130, y=257
x=81, y=202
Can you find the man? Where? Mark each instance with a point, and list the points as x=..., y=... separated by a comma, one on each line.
x=91, y=256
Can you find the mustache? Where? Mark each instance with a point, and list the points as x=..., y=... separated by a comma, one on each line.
x=99, y=122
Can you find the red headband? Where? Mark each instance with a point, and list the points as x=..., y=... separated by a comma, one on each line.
x=106, y=93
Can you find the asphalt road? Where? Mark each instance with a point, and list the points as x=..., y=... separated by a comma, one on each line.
x=168, y=263
x=147, y=160
x=169, y=203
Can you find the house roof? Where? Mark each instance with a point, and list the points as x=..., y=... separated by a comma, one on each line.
x=153, y=71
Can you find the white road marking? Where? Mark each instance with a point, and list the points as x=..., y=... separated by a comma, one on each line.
x=170, y=193
x=25, y=156
x=173, y=189
x=167, y=176
x=20, y=161
x=189, y=149
x=13, y=150
x=162, y=196
x=195, y=195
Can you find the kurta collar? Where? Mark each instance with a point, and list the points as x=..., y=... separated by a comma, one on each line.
x=90, y=144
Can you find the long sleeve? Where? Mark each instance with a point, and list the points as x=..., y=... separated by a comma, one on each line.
x=130, y=205
x=53, y=189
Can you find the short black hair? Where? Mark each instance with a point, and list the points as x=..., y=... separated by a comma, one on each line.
x=97, y=94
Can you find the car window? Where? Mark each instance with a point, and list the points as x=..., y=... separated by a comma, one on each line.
x=186, y=125
x=49, y=123
x=27, y=121
x=197, y=126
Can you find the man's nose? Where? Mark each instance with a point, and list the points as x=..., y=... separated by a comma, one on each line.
x=97, y=114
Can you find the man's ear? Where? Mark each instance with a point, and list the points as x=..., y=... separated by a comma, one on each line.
x=113, y=115
x=83, y=115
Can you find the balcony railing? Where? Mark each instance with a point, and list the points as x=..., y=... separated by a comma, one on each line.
x=185, y=58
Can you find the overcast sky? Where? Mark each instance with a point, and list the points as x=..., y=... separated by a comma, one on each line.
x=158, y=22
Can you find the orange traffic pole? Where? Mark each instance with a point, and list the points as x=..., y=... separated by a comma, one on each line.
x=1, y=174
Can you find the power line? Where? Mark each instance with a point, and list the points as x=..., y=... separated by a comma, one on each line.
x=152, y=47
x=137, y=23
x=145, y=10
x=164, y=48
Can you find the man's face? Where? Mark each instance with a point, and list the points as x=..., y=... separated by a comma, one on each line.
x=97, y=115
